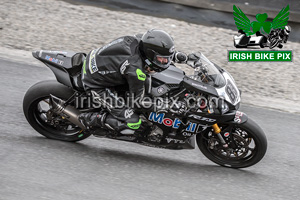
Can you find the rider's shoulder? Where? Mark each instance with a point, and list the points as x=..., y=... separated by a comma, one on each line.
x=135, y=60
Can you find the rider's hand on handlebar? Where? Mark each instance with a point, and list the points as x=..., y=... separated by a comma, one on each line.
x=194, y=60
x=180, y=57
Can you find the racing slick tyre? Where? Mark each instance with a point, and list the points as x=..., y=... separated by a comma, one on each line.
x=273, y=43
x=37, y=111
x=247, y=145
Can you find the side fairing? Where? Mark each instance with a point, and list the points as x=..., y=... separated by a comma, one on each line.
x=163, y=82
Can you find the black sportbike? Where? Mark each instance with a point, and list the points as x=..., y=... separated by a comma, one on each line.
x=205, y=111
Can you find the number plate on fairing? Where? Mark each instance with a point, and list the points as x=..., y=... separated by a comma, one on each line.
x=231, y=91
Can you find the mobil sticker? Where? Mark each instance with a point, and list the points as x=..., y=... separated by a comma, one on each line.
x=160, y=118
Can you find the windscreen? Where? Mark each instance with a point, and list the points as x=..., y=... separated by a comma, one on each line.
x=206, y=72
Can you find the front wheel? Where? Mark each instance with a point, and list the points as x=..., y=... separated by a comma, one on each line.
x=247, y=145
x=273, y=43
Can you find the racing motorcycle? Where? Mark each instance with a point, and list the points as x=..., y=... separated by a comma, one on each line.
x=278, y=36
x=223, y=134
x=275, y=39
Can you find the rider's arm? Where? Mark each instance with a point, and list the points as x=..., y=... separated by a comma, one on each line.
x=181, y=57
x=136, y=80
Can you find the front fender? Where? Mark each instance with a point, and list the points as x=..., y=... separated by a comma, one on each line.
x=240, y=117
x=232, y=117
x=236, y=117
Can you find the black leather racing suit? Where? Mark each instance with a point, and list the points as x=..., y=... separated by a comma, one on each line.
x=116, y=64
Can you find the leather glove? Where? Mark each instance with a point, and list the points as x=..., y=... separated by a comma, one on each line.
x=194, y=60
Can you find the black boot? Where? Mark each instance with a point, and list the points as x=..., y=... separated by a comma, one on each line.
x=118, y=125
x=94, y=122
x=92, y=119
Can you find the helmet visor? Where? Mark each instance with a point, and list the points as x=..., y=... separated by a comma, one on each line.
x=162, y=60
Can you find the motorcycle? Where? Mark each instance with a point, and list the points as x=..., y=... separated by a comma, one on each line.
x=205, y=111
x=278, y=36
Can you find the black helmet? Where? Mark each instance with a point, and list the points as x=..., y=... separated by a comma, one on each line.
x=158, y=48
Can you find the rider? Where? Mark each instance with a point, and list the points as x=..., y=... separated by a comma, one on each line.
x=282, y=33
x=125, y=60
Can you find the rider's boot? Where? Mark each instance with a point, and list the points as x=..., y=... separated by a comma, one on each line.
x=104, y=121
x=94, y=122
x=118, y=126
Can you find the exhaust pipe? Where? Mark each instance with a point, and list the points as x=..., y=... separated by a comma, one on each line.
x=69, y=112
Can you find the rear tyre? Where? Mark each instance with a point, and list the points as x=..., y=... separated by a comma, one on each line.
x=247, y=145
x=36, y=110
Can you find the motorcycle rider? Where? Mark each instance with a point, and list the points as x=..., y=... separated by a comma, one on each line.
x=126, y=60
x=283, y=35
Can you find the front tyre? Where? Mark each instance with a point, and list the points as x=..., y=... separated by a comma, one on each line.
x=39, y=115
x=273, y=43
x=247, y=145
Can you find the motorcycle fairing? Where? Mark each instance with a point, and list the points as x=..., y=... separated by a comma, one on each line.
x=198, y=86
x=230, y=91
x=66, y=66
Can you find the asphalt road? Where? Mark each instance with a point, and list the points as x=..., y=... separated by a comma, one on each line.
x=33, y=167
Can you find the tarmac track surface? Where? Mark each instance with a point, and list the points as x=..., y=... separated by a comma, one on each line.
x=33, y=167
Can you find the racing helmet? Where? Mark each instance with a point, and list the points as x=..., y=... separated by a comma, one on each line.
x=157, y=47
x=287, y=30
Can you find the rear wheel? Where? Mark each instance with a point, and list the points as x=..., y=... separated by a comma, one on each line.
x=39, y=115
x=247, y=145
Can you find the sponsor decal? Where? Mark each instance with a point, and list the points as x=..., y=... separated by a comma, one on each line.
x=226, y=134
x=176, y=141
x=202, y=118
x=187, y=134
x=57, y=61
x=200, y=86
x=159, y=118
x=58, y=52
x=261, y=33
x=128, y=113
x=106, y=72
x=93, y=64
x=160, y=90
x=123, y=67
x=202, y=127
x=238, y=116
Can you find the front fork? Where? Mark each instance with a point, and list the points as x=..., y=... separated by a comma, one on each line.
x=217, y=131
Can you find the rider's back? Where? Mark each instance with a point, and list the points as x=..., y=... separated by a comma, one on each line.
x=103, y=65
